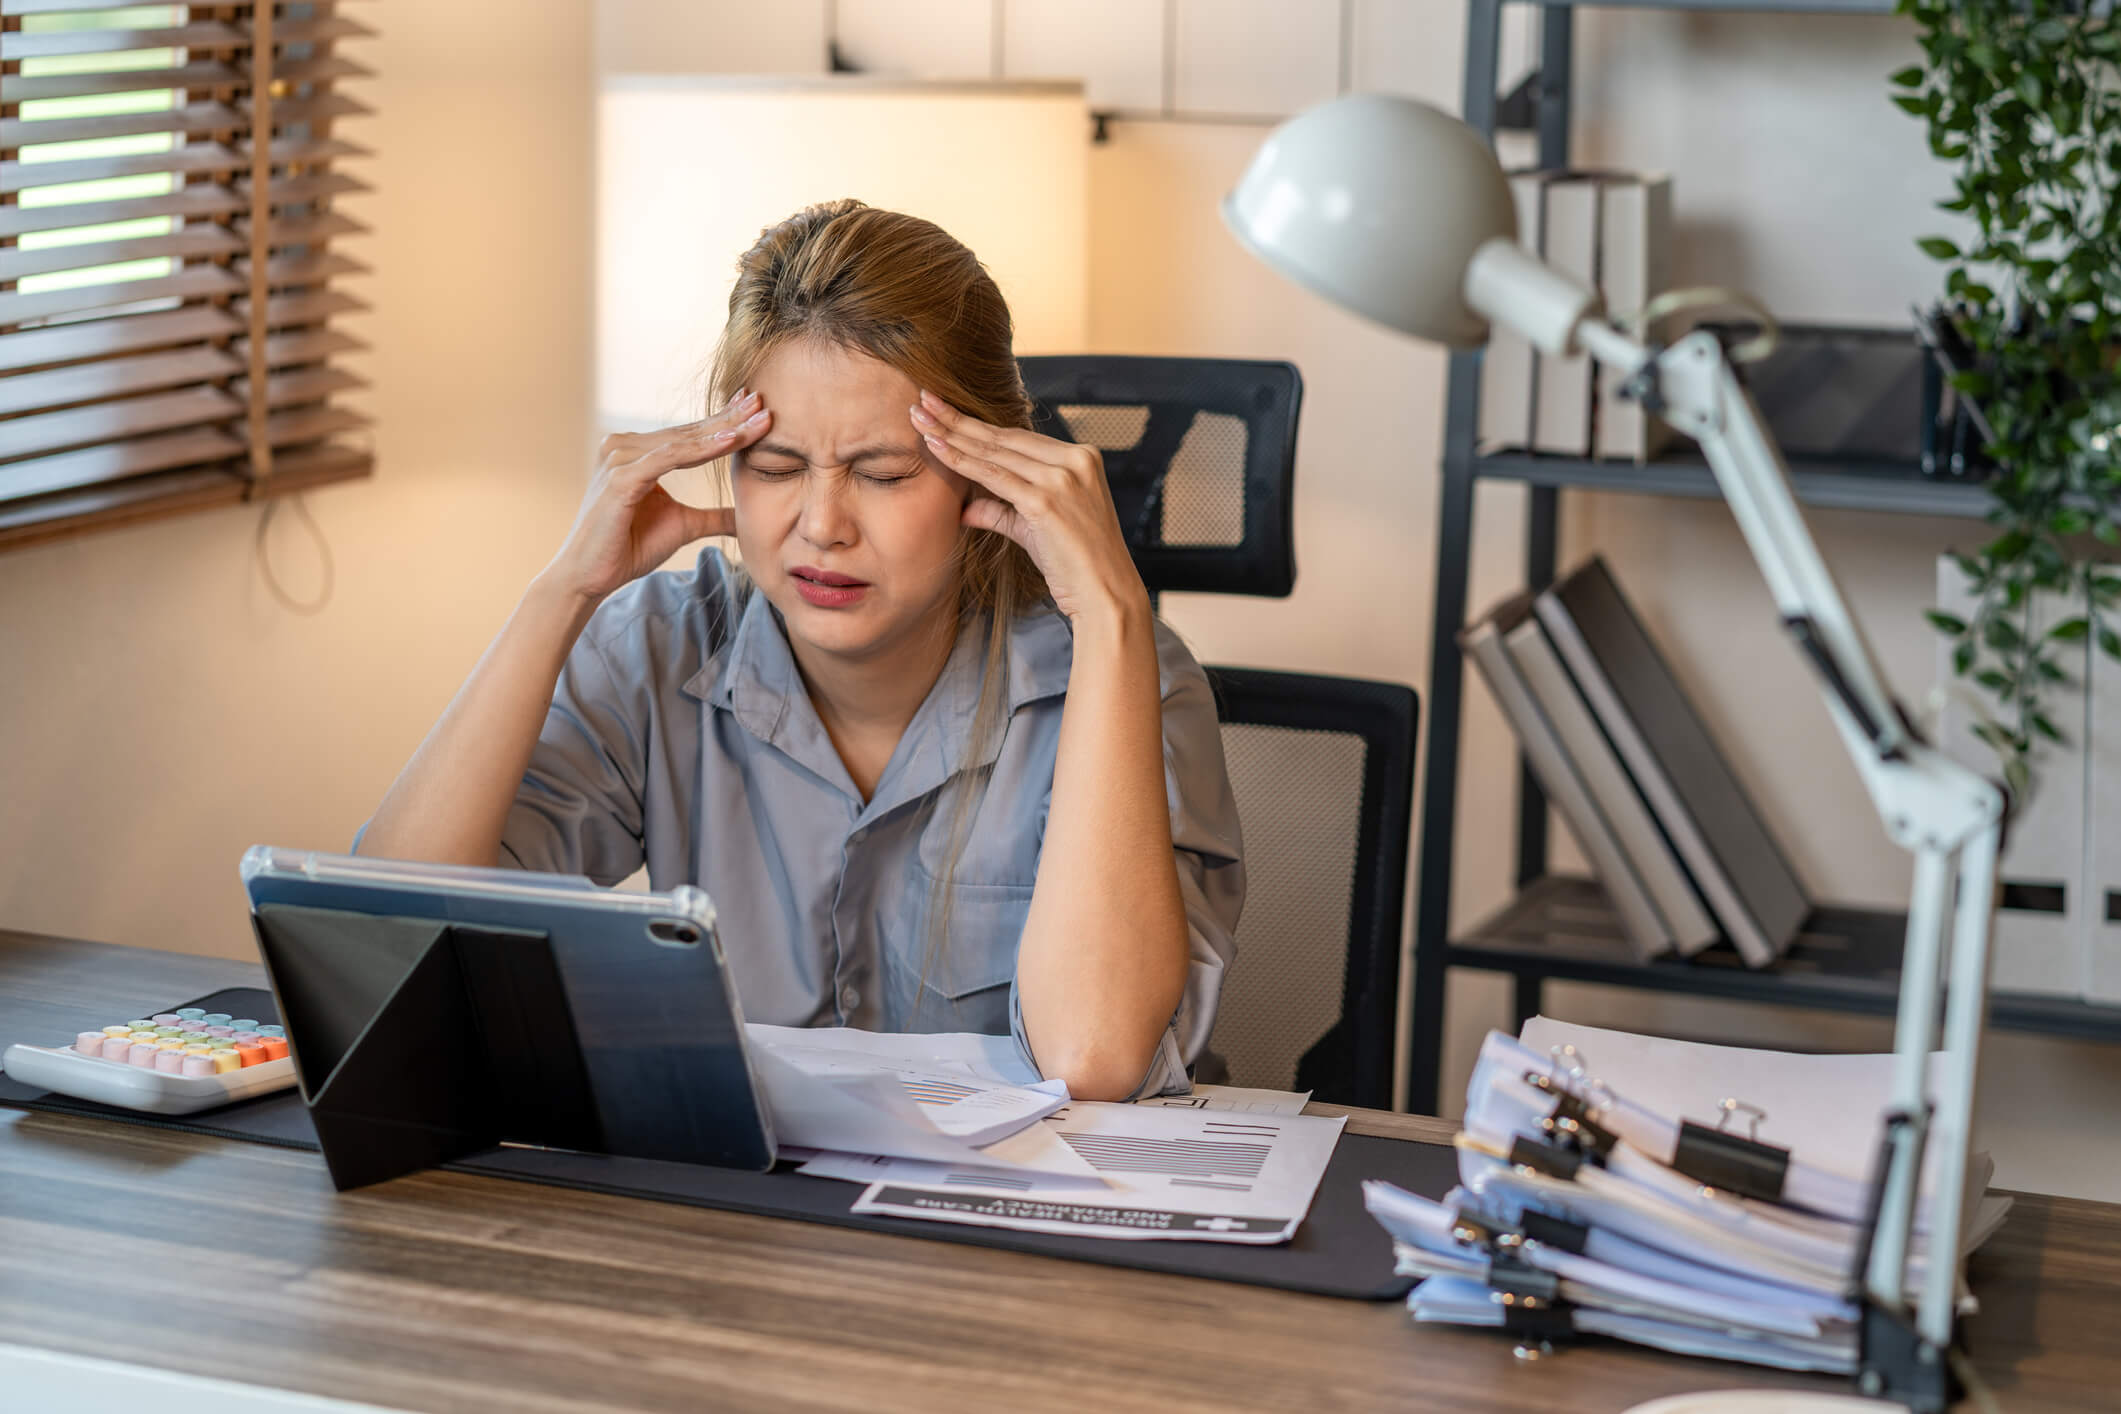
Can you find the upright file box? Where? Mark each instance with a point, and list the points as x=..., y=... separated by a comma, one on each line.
x=2041, y=918
x=2102, y=833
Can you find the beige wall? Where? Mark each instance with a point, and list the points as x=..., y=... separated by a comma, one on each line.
x=159, y=711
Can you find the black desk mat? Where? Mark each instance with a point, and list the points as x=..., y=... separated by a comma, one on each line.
x=1338, y=1250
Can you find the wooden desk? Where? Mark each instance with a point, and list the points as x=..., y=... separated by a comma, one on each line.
x=451, y=1292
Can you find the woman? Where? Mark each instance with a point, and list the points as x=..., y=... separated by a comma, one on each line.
x=929, y=750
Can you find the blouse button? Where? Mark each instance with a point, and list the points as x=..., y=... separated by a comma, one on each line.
x=849, y=999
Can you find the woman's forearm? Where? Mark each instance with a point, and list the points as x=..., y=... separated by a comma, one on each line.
x=451, y=801
x=1103, y=959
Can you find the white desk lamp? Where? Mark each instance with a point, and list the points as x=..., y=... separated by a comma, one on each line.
x=1400, y=213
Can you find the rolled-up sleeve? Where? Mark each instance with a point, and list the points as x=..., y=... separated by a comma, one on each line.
x=579, y=807
x=1208, y=850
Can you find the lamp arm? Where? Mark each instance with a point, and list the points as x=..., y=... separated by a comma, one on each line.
x=1946, y=815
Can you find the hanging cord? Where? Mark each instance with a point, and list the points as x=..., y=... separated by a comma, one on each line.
x=316, y=533
x=1710, y=297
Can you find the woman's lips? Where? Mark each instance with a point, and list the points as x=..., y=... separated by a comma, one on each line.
x=827, y=589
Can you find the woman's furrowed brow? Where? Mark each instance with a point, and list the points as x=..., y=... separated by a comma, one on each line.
x=872, y=452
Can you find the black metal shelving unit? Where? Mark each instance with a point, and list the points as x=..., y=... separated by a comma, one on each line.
x=1562, y=928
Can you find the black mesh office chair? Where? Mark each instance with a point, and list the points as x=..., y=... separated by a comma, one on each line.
x=1201, y=454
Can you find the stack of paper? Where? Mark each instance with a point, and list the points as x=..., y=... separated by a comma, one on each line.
x=1603, y=1234
x=948, y=1127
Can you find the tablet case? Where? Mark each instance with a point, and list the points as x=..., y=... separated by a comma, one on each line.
x=1338, y=1251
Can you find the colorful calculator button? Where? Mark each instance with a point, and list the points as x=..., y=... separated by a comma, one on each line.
x=225, y=1061
x=142, y=1054
x=198, y=1065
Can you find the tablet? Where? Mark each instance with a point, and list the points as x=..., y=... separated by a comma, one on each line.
x=433, y=1011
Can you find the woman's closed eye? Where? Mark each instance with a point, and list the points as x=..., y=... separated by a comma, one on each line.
x=877, y=477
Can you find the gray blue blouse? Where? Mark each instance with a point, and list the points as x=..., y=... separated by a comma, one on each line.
x=681, y=736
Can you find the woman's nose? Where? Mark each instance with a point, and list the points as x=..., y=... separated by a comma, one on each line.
x=826, y=519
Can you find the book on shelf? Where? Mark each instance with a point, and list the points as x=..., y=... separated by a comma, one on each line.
x=1634, y=265
x=1508, y=388
x=1562, y=414
x=1485, y=642
x=1613, y=795
x=1703, y=809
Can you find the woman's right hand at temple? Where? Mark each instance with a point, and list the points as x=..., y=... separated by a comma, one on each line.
x=628, y=523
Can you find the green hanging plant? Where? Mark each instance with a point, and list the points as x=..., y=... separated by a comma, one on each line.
x=2025, y=97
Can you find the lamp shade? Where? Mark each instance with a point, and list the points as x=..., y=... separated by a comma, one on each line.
x=1378, y=203
x=691, y=169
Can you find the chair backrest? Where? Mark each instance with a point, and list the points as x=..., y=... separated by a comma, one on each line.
x=1201, y=454
x=1322, y=769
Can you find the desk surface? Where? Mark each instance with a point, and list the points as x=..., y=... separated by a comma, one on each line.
x=449, y=1291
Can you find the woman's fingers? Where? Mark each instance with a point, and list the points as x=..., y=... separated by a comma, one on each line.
x=696, y=447
x=1029, y=454
x=992, y=477
x=987, y=513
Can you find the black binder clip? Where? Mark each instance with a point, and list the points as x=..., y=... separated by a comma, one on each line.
x=1477, y=1227
x=1569, y=1123
x=1533, y=1310
x=1553, y=1160
x=1734, y=1163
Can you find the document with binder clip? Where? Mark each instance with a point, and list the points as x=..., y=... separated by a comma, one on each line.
x=1591, y=1198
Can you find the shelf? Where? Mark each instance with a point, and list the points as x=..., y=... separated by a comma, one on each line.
x=1812, y=7
x=1848, y=959
x=1849, y=486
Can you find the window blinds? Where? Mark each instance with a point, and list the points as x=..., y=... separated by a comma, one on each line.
x=169, y=262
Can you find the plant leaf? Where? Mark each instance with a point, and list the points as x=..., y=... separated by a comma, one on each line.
x=1938, y=248
x=2070, y=630
x=1945, y=623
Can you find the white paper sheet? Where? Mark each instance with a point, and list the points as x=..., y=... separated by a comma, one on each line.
x=842, y=1098
x=1174, y=1172
x=1825, y=1109
x=1233, y=1098
x=993, y=1058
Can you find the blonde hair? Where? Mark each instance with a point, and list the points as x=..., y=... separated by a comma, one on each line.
x=908, y=294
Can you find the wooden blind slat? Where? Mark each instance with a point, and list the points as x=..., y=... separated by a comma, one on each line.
x=320, y=108
x=317, y=31
x=193, y=159
x=303, y=346
x=322, y=70
x=310, y=230
x=105, y=338
x=197, y=241
x=308, y=386
x=91, y=466
x=144, y=498
x=284, y=311
x=187, y=202
x=309, y=425
x=54, y=7
x=32, y=88
x=194, y=282
x=47, y=44
x=191, y=118
x=110, y=422
x=315, y=186
x=305, y=269
x=113, y=378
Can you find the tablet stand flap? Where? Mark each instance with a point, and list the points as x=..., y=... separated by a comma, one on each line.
x=418, y=1042
x=540, y=1083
